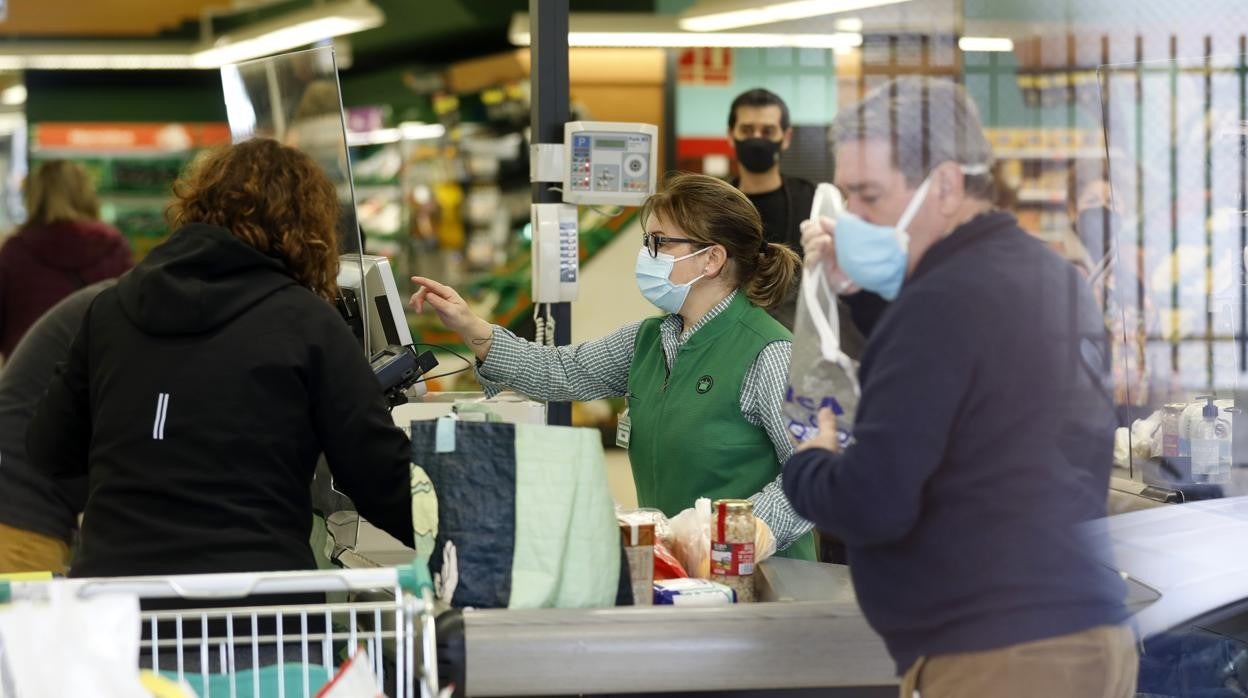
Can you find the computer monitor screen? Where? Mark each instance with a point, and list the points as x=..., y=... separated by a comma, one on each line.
x=370, y=279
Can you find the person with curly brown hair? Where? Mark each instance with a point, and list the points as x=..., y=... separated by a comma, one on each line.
x=201, y=389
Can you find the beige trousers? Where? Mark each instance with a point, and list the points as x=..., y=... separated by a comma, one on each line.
x=26, y=551
x=1101, y=662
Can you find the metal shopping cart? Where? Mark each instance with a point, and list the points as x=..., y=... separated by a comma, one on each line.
x=283, y=651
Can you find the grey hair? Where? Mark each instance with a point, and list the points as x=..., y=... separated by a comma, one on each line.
x=928, y=121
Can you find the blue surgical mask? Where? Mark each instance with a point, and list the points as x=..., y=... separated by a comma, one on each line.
x=653, y=278
x=875, y=256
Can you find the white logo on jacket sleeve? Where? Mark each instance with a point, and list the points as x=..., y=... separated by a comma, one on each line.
x=162, y=411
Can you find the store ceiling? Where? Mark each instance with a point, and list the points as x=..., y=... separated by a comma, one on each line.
x=441, y=31
x=438, y=31
x=415, y=30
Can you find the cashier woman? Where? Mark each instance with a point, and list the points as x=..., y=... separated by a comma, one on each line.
x=705, y=381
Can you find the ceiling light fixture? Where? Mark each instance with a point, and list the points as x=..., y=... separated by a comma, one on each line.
x=970, y=44
x=108, y=61
x=654, y=32
x=290, y=31
x=13, y=96
x=713, y=39
x=95, y=55
x=720, y=16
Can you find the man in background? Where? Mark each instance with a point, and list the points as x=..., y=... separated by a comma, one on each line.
x=760, y=129
x=38, y=516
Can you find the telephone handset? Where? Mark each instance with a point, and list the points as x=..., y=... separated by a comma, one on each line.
x=556, y=253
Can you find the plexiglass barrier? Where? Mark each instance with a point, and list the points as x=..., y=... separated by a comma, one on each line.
x=1172, y=282
x=295, y=98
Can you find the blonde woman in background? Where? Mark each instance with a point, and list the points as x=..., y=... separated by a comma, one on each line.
x=62, y=247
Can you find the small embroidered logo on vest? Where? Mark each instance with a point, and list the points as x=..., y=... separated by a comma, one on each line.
x=705, y=383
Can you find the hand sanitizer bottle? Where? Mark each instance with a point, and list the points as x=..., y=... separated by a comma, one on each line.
x=1206, y=450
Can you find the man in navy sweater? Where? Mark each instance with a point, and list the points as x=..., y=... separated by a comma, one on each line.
x=983, y=437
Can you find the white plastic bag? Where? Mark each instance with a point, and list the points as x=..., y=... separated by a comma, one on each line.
x=68, y=646
x=354, y=680
x=691, y=538
x=820, y=373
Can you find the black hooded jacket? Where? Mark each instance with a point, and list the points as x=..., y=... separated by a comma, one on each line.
x=197, y=398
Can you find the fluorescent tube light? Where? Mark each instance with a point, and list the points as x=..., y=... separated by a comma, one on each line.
x=985, y=43
x=840, y=40
x=651, y=31
x=714, y=39
x=108, y=61
x=290, y=31
x=13, y=96
x=94, y=55
x=849, y=24
x=711, y=17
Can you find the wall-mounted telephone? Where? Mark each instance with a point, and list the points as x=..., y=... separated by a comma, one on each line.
x=556, y=251
x=599, y=162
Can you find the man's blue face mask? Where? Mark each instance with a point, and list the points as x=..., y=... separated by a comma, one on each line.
x=876, y=256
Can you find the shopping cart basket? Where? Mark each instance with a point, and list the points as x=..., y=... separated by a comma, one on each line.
x=281, y=651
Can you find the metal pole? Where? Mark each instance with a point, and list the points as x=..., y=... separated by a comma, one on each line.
x=548, y=49
x=670, y=79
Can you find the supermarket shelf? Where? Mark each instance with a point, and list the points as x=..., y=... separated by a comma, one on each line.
x=46, y=153
x=375, y=189
x=1042, y=196
x=136, y=199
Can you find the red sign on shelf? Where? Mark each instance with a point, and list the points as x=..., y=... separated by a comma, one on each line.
x=705, y=66
x=129, y=137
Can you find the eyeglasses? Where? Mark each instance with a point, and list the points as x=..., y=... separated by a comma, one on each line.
x=653, y=241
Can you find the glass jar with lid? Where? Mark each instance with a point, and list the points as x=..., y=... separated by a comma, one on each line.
x=732, y=546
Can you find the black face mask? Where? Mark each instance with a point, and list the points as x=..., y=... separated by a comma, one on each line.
x=1097, y=228
x=757, y=154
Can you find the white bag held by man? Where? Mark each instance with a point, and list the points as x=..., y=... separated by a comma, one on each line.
x=820, y=373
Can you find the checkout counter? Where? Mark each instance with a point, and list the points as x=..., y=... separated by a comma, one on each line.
x=804, y=637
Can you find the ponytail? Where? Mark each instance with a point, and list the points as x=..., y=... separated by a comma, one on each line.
x=775, y=276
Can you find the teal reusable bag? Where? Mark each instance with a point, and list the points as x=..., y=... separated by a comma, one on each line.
x=567, y=552
x=525, y=516
x=245, y=682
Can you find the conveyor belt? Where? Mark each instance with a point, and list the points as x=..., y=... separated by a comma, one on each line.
x=807, y=632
